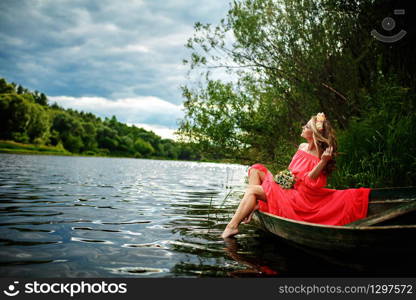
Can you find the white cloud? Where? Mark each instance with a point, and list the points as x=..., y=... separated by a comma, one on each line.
x=176, y=39
x=164, y=132
x=137, y=48
x=130, y=48
x=150, y=110
x=12, y=41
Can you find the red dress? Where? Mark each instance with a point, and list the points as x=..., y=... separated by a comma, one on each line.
x=308, y=200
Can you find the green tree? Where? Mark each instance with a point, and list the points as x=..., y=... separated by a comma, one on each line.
x=5, y=88
x=143, y=147
x=107, y=138
x=89, y=137
x=70, y=131
x=16, y=115
x=127, y=144
x=39, y=124
x=40, y=98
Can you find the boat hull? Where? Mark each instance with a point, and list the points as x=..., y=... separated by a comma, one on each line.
x=389, y=238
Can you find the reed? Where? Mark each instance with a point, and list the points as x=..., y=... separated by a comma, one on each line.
x=377, y=151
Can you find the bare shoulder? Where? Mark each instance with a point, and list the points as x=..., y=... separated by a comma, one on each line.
x=303, y=146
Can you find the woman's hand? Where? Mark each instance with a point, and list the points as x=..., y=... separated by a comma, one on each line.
x=327, y=155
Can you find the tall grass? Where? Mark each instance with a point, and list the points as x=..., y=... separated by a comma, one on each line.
x=379, y=150
x=15, y=147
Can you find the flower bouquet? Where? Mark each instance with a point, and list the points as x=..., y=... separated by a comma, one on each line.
x=285, y=179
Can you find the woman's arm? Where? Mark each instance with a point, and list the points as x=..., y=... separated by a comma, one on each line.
x=317, y=169
x=325, y=157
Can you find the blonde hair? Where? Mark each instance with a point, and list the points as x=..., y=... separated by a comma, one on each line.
x=323, y=139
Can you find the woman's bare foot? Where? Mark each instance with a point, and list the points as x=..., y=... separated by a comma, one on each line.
x=229, y=232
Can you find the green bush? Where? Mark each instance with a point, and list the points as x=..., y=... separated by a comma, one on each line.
x=89, y=152
x=379, y=150
x=143, y=147
x=20, y=137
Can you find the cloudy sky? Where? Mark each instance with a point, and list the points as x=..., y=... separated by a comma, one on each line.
x=108, y=57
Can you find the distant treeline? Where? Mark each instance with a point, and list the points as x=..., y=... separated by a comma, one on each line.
x=27, y=117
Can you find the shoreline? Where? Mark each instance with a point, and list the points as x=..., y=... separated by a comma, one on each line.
x=12, y=147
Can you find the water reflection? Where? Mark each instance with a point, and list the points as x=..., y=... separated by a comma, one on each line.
x=255, y=269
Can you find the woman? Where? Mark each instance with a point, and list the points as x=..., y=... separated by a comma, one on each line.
x=307, y=200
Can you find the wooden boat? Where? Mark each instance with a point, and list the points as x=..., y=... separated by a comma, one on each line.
x=390, y=226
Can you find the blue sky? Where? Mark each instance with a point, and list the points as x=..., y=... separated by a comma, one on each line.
x=121, y=58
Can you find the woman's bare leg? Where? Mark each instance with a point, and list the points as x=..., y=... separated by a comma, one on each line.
x=255, y=177
x=246, y=206
x=247, y=219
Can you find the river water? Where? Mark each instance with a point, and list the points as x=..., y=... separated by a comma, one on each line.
x=117, y=217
